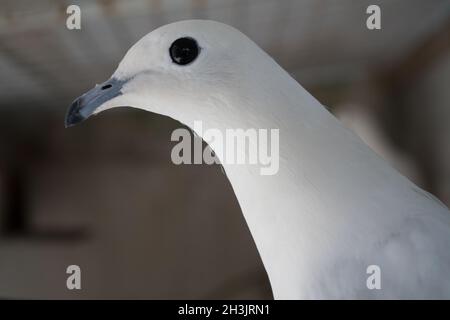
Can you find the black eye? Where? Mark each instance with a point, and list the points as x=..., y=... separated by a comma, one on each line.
x=184, y=51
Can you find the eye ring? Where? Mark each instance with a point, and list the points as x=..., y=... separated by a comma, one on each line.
x=184, y=50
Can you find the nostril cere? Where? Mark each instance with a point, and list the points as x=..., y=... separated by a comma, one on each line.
x=106, y=86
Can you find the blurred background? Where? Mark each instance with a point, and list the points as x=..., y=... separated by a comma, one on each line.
x=105, y=195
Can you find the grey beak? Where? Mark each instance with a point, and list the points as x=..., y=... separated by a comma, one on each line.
x=84, y=106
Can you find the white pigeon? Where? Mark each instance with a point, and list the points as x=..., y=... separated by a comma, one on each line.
x=334, y=210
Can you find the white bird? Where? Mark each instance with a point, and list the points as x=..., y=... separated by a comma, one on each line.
x=333, y=209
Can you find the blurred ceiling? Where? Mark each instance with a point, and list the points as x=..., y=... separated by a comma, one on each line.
x=42, y=63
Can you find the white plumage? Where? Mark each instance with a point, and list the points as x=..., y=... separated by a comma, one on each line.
x=334, y=208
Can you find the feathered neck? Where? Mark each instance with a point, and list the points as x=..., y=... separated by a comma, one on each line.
x=320, y=206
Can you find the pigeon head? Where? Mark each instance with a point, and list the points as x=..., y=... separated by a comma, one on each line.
x=185, y=70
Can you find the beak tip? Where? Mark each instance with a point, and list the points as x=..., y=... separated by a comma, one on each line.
x=68, y=124
x=73, y=115
x=86, y=105
x=72, y=121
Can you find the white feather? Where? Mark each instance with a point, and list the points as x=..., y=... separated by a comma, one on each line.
x=334, y=208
